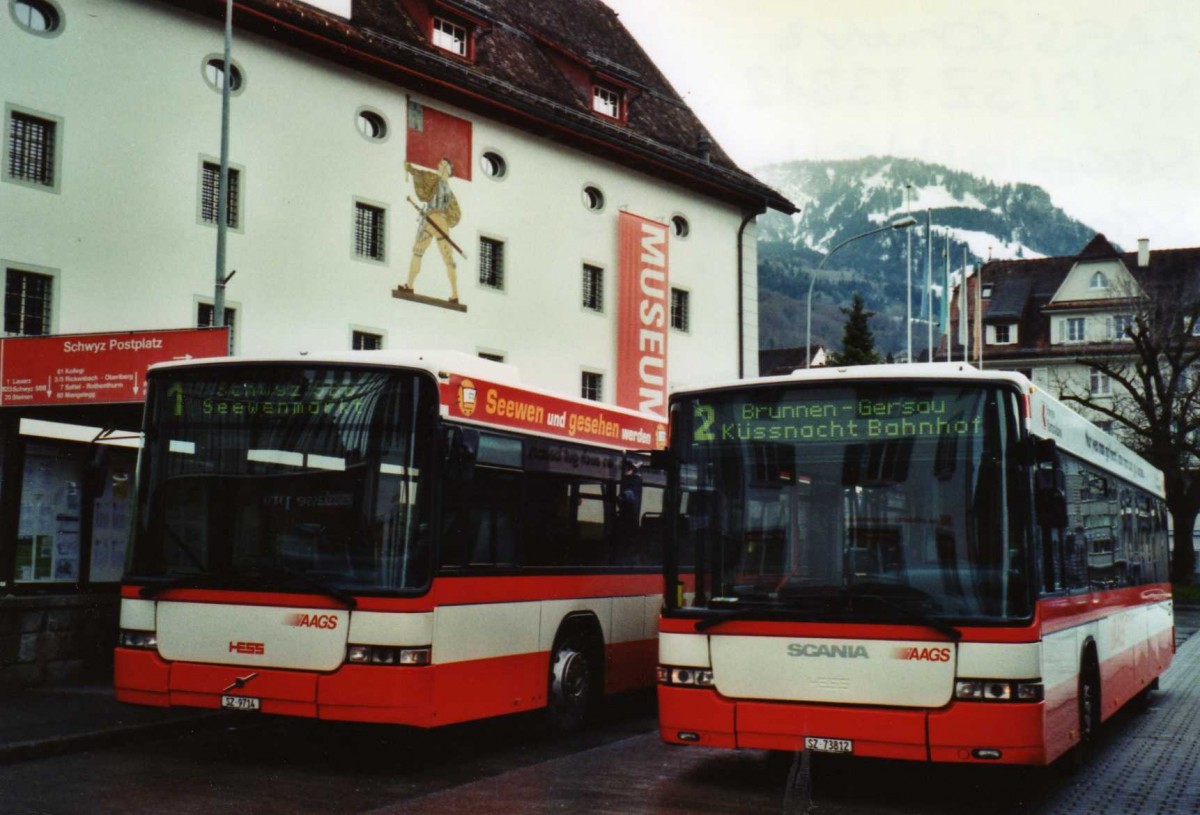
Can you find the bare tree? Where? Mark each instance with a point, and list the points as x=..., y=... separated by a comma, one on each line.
x=1154, y=399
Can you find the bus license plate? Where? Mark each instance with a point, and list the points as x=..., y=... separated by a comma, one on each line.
x=819, y=745
x=241, y=703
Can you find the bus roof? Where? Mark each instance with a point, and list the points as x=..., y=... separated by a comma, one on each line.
x=1048, y=417
x=480, y=391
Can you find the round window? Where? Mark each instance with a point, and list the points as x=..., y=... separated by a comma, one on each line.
x=372, y=125
x=37, y=16
x=214, y=74
x=593, y=198
x=680, y=226
x=494, y=165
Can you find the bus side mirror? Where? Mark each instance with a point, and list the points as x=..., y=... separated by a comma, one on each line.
x=1045, y=452
x=659, y=459
x=1050, y=499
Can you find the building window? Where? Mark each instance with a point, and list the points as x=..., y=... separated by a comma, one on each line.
x=368, y=231
x=493, y=164
x=488, y=355
x=1099, y=281
x=593, y=198
x=1122, y=325
x=204, y=318
x=450, y=36
x=985, y=291
x=371, y=125
x=36, y=16
x=680, y=309
x=592, y=386
x=680, y=226
x=366, y=341
x=1075, y=329
x=27, y=297
x=214, y=75
x=31, y=149
x=209, y=199
x=606, y=101
x=491, y=263
x=1002, y=335
x=1100, y=383
x=593, y=288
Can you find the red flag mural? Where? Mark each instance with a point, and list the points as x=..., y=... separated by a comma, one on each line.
x=643, y=310
x=434, y=135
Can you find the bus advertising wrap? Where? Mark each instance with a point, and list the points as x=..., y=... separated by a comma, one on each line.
x=526, y=410
x=643, y=310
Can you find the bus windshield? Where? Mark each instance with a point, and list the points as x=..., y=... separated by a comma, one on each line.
x=285, y=477
x=853, y=500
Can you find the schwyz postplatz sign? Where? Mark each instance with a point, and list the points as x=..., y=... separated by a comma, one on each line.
x=80, y=369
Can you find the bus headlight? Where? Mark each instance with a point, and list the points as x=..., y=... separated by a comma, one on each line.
x=998, y=690
x=388, y=655
x=142, y=640
x=686, y=677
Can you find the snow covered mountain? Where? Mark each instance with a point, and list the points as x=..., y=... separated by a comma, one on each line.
x=839, y=199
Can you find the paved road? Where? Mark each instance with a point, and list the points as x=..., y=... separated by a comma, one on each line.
x=266, y=766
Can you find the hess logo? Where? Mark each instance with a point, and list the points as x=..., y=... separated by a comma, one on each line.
x=324, y=621
x=247, y=648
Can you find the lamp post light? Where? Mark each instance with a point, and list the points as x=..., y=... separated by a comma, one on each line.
x=903, y=223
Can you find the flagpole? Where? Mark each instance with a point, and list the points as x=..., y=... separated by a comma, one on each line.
x=929, y=284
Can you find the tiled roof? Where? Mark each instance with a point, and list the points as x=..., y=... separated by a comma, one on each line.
x=532, y=69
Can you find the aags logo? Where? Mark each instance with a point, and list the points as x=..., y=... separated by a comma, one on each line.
x=325, y=621
x=922, y=654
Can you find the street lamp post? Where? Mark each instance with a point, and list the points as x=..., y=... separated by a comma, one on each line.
x=903, y=223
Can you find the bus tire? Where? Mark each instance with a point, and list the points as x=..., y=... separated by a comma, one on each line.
x=573, y=684
x=1089, y=711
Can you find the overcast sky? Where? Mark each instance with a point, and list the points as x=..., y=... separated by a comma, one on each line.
x=1097, y=101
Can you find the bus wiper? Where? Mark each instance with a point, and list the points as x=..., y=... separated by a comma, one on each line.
x=184, y=581
x=854, y=592
x=743, y=613
x=311, y=581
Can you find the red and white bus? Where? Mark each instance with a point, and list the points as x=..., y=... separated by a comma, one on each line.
x=923, y=562
x=387, y=537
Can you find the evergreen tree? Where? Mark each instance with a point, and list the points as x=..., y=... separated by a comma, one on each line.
x=858, y=343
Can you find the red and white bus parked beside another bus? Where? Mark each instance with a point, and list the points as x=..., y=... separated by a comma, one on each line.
x=923, y=562
x=387, y=537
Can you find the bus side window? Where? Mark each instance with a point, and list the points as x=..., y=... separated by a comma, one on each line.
x=479, y=519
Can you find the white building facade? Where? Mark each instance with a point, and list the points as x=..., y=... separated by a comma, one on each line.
x=555, y=125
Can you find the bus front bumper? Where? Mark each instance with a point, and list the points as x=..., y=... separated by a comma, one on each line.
x=359, y=693
x=963, y=732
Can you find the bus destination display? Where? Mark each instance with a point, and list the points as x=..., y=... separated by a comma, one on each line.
x=838, y=419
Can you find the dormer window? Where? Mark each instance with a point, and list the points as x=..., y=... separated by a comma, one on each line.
x=606, y=100
x=985, y=291
x=450, y=36
x=1099, y=281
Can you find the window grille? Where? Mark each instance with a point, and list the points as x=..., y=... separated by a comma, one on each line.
x=368, y=231
x=680, y=317
x=209, y=200
x=491, y=263
x=593, y=288
x=204, y=318
x=27, y=303
x=31, y=149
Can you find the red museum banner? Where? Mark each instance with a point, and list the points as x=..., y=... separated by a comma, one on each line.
x=643, y=308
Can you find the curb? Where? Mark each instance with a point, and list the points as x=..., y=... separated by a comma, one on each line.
x=107, y=737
